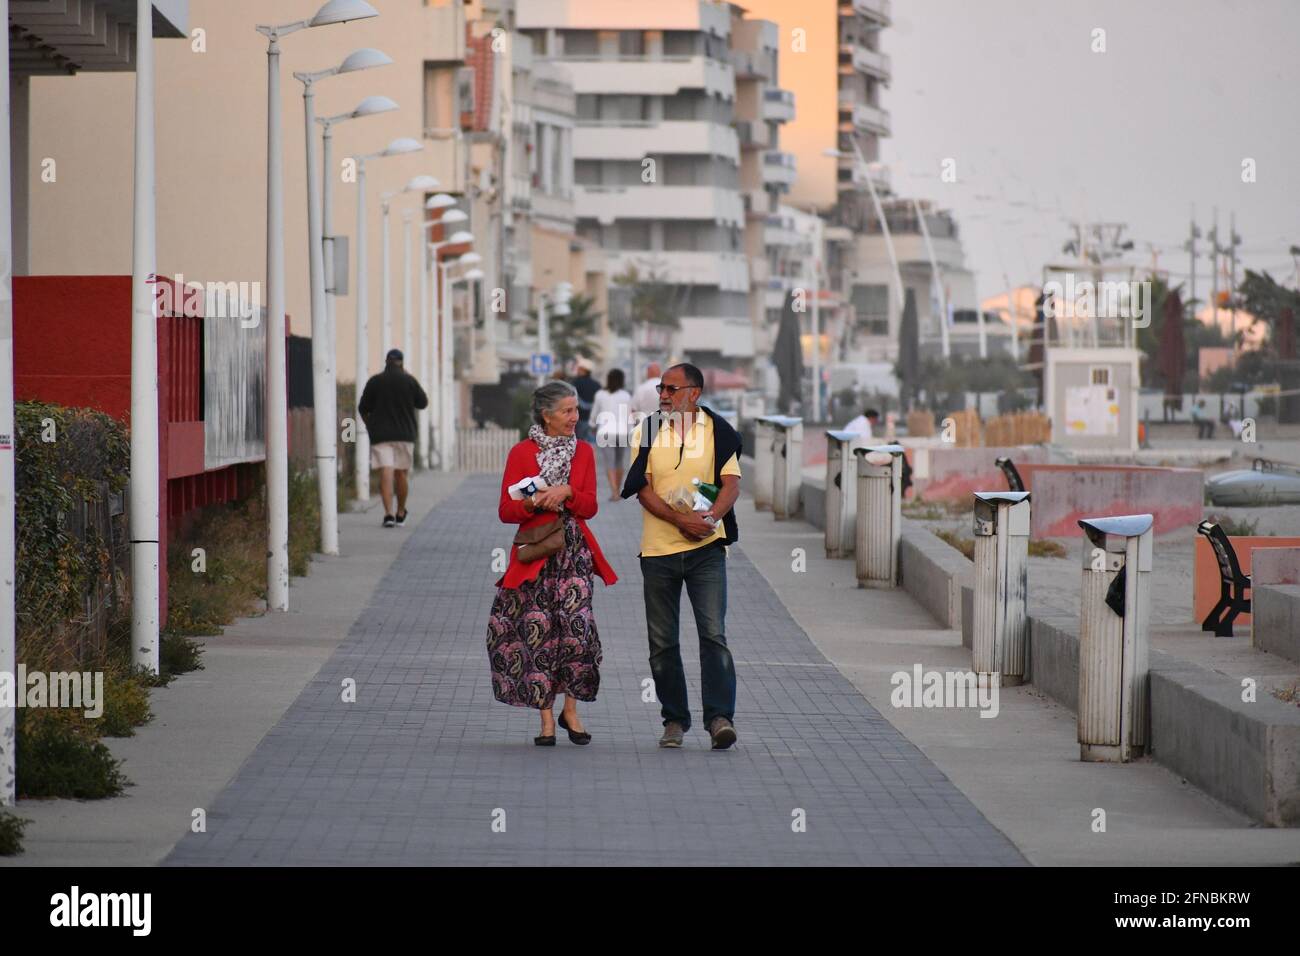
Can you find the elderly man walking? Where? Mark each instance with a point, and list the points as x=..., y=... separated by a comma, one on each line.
x=388, y=406
x=682, y=444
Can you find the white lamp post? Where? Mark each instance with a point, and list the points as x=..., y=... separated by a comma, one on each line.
x=446, y=383
x=434, y=371
x=866, y=168
x=322, y=352
x=276, y=405
x=427, y=322
x=370, y=106
x=8, y=528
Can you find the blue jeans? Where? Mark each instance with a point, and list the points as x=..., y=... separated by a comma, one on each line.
x=704, y=572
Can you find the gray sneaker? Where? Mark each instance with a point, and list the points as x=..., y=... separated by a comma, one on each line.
x=673, y=734
x=723, y=733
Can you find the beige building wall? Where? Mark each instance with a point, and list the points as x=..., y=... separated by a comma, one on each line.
x=806, y=63
x=211, y=151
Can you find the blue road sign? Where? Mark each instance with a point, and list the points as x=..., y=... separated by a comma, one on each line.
x=541, y=364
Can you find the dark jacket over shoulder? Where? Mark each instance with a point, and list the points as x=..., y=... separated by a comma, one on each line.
x=388, y=406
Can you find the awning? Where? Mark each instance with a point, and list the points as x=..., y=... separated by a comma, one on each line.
x=69, y=36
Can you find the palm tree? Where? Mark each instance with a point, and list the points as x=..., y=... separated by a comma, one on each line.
x=574, y=334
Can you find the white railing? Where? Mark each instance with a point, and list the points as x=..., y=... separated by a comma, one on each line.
x=484, y=449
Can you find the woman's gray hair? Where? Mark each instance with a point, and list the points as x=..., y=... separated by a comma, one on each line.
x=547, y=396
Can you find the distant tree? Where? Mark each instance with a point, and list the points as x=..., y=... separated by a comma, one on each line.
x=652, y=299
x=574, y=334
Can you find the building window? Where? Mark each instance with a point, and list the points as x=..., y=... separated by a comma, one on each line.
x=1099, y=375
x=871, y=308
x=631, y=43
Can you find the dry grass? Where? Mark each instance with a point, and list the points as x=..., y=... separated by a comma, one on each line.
x=1046, y=548
x=965, y=545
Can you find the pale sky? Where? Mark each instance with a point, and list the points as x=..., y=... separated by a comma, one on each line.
x=1185, y=90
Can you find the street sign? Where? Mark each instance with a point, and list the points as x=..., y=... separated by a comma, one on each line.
x=541, y=364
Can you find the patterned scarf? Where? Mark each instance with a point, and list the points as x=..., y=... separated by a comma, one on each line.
x=556, y=455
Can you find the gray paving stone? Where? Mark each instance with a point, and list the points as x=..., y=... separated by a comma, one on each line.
x=412, y=772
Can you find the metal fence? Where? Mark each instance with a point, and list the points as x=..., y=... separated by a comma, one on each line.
x=484, y=449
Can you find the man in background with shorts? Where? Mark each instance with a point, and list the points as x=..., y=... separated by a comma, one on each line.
x=388, y=406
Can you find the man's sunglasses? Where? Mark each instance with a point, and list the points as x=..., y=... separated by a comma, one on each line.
x=672, y=389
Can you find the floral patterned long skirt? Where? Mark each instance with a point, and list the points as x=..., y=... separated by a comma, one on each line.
x=542, y=637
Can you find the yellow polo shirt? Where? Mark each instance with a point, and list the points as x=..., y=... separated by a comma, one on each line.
x=671, y=466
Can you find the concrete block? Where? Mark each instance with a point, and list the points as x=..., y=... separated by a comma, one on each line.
x=812, y=501
x=1275, y=565
x=1054, y=658
x=967, y=617
x=1245, y=754
x=933, y=572
x=1065, y=493
x=947, y=473
x=1275, y=619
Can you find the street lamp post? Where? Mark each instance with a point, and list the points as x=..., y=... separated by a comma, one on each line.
x=435, y=370
x=367, y=107
x=428, y=309
x=325, y=403
x=276, y=404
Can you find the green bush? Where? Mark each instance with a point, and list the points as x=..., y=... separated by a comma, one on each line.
x=126, y=703
x=179, y=655
x=59, y=756
x=11, y=833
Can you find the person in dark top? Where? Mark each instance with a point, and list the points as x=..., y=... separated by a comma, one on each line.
x=388, y=406
x=587, y=387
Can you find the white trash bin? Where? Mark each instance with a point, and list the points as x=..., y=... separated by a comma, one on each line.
x=1115, y=610
x=787, y=465
x=841, y=493
x=764, y=437
x=879, y=514
x=1000, y=628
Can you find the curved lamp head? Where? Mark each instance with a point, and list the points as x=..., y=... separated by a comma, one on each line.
x=474, y=274
x=364, y=59
x=469, y=259
x=452, y=215
x=341, y=11
x=421, y=184
x=404, y=145
x=372, y=105
x=440, y=201
x=460, y=238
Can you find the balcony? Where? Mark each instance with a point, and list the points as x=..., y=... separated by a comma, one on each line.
x=731, y=337
x=878, y=174
x=878, y=11
x=753, y=134
x=758, y=202
x=443, y=29
x=778, y=105
x=872, y=62
x=780, y=231
x=651, y=76
x=729, y=271
x=778, y=168
x=633, y=140
x=753, y=64
x=607, y=204
x=871, y=119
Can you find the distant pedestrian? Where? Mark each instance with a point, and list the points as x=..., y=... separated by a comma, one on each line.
x=610, y=412
x=864, y=424
x=388, y=406
x=645, y=400
x=586, y=387
x=1204, y=424
x=683, y=441
x=542, y=638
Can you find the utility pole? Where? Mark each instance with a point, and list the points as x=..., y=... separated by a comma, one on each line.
x=1214, y=268
x=1234, y=240
x=1190, y=246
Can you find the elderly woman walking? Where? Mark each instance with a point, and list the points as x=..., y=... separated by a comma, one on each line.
x=542, y=639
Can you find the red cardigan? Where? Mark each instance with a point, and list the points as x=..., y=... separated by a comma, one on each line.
x=521, y=464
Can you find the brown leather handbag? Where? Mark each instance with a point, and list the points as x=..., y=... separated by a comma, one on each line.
x=540, y=541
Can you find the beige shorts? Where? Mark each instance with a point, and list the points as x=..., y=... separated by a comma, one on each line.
x=392, y=454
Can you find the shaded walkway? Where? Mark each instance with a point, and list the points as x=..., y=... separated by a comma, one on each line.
x=416, y=769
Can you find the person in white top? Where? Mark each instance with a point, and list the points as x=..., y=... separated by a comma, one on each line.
x=864, y=423
x=646, y=399
x=610, y=414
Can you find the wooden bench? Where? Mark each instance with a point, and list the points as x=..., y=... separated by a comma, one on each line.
x=1233, y=585
x=1014, y=481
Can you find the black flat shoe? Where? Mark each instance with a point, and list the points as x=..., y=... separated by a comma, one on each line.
x=545, y=741
x=581, y=739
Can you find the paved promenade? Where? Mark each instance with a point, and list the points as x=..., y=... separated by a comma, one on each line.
x=422, y=765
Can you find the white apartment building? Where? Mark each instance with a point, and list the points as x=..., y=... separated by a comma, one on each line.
x=657, y=156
